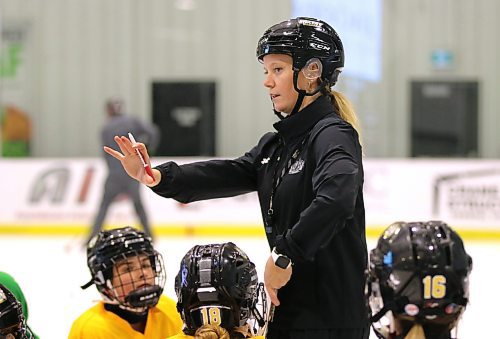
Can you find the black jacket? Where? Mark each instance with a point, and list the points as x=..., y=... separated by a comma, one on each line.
x=318, y=220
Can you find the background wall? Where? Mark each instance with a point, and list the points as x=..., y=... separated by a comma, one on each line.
x=412, y=30
x=77, y=53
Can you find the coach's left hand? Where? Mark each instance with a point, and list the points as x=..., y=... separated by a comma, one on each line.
x=275, y=278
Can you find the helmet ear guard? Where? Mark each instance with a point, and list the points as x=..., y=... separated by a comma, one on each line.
x=312, y=69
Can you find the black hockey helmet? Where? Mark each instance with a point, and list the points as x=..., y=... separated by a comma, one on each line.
x=217, y=284
x=420, y=272
x=303, y=39
x=110, y=247
x=12, y=321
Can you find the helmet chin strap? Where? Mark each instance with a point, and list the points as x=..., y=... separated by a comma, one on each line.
x=278, y=114
x=302, y=95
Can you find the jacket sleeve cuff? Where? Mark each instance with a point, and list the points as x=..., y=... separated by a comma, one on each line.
x=287, y=246
x=165, y=186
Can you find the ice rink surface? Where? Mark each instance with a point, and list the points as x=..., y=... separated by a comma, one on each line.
x=51, y=269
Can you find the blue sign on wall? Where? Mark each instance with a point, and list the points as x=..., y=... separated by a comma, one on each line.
x=442, y=59
x=359, y=24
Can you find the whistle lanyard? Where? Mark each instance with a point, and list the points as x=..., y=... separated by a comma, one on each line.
x=278, y=179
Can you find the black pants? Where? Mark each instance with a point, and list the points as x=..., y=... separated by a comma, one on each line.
x=341, y=333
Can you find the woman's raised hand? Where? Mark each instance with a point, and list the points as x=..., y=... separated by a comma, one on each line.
x=131, y=161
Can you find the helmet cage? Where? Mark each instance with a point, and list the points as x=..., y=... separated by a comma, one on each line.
x=12, y=321
x=109, y=249
x=142, y=296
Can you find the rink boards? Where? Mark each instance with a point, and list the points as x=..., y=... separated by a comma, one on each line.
x=61, y=196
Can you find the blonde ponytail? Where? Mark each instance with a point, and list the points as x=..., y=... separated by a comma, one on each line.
x=210, y=331
x=416, y=332
x=345, y=109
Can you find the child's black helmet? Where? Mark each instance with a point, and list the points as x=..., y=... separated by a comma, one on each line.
x=420, y=272
x=12, y=322
x=109, y=247
x=216, y=284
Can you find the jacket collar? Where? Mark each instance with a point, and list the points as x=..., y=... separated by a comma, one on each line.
x=299, y=123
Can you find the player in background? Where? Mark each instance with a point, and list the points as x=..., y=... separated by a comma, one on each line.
x=129, y=274
x=419, y=281
x=217, y=285
x=11, y=284
x=12, y=322
x=118, y=182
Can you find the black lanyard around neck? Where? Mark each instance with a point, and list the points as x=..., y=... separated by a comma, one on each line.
x=277, y=179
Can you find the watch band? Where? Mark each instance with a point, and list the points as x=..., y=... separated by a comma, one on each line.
x=280, y=260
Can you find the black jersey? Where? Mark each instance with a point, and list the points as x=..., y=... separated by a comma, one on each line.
x=318, y=217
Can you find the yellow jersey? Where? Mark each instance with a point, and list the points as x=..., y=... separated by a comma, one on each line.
x=184, y=336
x=97, y=323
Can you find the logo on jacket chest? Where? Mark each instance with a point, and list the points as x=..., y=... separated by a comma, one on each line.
x=296, y=167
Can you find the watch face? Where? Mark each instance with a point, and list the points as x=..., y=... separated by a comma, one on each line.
x=282, y=262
